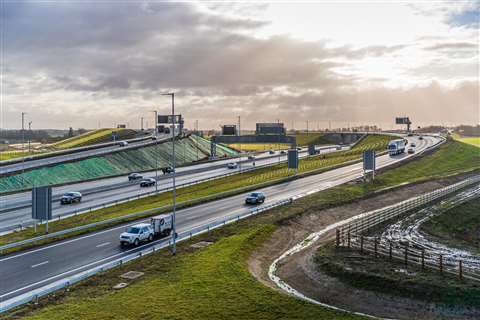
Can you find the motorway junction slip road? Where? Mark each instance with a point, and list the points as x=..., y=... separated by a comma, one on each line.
x=25, y=271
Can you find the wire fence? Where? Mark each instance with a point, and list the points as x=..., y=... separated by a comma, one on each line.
x=352, y=235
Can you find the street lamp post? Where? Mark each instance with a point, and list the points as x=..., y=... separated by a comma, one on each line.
x=23, y=144
x=156, y=149
x=29, y=135
x=174, y=245
x=240, y=146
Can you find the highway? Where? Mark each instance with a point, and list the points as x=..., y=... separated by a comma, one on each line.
x=25, y=271
x=15, y=209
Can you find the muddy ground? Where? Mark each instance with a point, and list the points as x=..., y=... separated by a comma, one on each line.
x=299, y=270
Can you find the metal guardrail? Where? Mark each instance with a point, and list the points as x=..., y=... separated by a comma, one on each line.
x=34, y=295
x=22, y=226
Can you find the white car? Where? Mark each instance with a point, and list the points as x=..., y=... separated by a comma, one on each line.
x=137, y=233
x=232, y=165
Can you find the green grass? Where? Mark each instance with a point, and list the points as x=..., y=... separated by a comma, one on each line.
x=304, y=139
x=458, y=226
x=379, y=275
x=93, y=137
x=259, y=146
x=7, y=155
x=205, y=189
x=211, y=283
x=474, y=141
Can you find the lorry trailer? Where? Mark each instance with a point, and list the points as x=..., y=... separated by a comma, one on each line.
x=397, y=146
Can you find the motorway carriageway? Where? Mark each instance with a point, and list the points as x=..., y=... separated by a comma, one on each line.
x=24, y=271
x=15, y=209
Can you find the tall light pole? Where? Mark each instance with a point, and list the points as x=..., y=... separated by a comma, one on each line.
x=174, y=196
x=278, y=146
x=23, y=144
x=29, y=135
x=240, y=146
x=156, y=149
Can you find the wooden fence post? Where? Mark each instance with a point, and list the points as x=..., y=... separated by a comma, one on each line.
x=423, y=258
x=390, y=251
x=460, y=269
x=375, y=246
x=361, y=244
x=338, y=238
x=348, y=239
x=406, y=255
x=441, y=263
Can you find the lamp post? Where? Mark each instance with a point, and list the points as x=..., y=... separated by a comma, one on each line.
x=156, y=149
x=174, y=245
x=240, y=146
x=29, y=135
x=23, y=145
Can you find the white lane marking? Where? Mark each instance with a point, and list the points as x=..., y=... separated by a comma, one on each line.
x=39, y=264
x=102, y=244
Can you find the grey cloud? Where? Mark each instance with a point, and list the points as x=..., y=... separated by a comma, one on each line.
x=453, y=46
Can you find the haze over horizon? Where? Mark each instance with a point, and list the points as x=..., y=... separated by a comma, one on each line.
x=88, y=64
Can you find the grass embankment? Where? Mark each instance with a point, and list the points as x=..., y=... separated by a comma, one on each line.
x=458, y=227
x=8, y=155
x=256, y=147
x=365, y=272
x=94, y=137
x=202, y=190
x=474, y=141
x=211, y=283
x=304, y=139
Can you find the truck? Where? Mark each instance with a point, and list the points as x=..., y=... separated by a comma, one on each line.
x=396, y=146
x=160, y=226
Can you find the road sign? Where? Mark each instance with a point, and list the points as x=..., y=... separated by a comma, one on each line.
x=293, y=159
x=369, y=160
x=311, y=149
x=162, y=119
x=42, y=203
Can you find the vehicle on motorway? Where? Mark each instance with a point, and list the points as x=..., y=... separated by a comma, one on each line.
x=123, y=143
x=160, y=226
x=413, y=145
x=255, y=198
x=283, y=152
x=167, y=170
x=147, y=182
x=339, y=148
x=134, y=176
x=271, y=151
x=396, y=146
x=71, y=197
x=411, y=150
x=232, y=165
x=420, y=138
x=410, y=135
x=251, y=157
x=299, y=149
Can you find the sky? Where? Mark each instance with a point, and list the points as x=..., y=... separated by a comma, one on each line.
x=89, y=64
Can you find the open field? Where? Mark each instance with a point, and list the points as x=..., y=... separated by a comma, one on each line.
x=474, y=141
x=93, y=137
x=205, y=189
x=304, y=139
x=458, y=227
x=195, y=278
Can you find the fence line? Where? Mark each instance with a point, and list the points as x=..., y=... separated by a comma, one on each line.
x=351, y=235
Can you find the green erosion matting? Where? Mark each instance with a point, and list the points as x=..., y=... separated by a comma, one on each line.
x=147, y=158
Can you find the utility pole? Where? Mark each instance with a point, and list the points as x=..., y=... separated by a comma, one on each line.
x=196, y=132
x=29, y=135
x=239, y=133
x=174, y=245
x=23, y=144
x=141, y=123
x=156, y=149
x=307, y=126
x=278, y=146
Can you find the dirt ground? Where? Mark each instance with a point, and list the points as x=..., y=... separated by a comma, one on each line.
x=299, y=270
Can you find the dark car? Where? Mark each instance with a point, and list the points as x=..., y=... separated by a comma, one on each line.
x=283, y=152
x=148, y=182
x=271, y=152
x=251, y=157
x=167, y=170
x=134, y=176
x=71, y=197
x=411, y=151
x=420, y=138
x=299, y=149
x=255, y=198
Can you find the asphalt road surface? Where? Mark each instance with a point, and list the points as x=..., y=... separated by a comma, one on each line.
x=15, y=209
x=28, y=270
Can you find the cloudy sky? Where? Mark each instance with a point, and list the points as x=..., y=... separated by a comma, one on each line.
x=99, y=63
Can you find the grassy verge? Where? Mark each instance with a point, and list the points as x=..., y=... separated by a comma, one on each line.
x=381, y=275
x=196, y=192
x=211, y=283
x=458, y=226
x=92, y=137
x=258, y=146
x=304, y=139
x=474, y=141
